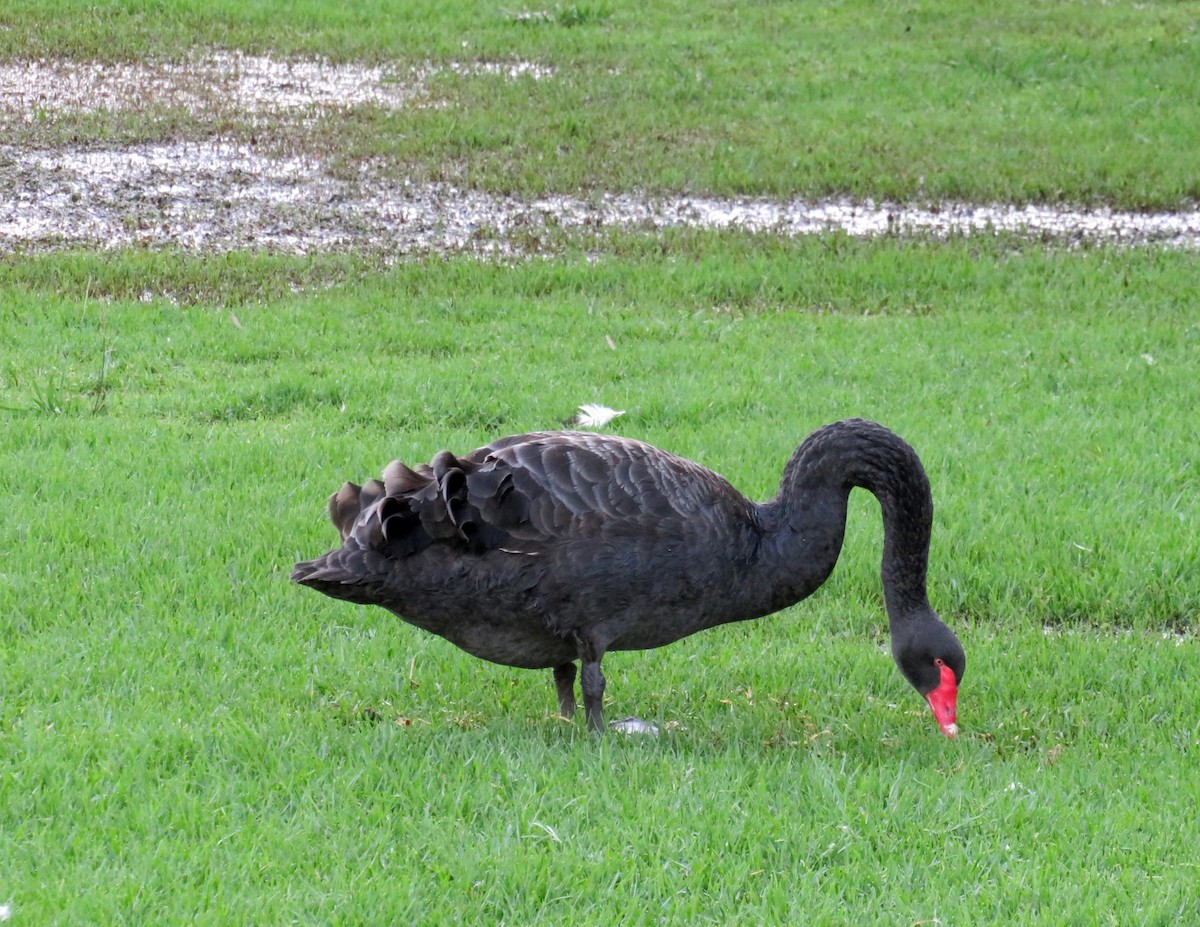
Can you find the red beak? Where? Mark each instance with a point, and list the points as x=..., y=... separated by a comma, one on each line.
x=944, y=702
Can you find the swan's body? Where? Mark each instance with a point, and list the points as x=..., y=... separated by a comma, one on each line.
x=542, y=549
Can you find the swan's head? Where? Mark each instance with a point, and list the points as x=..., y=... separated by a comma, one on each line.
x=931, y=658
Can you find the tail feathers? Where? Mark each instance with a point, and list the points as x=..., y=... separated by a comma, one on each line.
x=345, y=573
x=320, y=570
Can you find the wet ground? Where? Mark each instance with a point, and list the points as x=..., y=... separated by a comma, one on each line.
x=217, y=195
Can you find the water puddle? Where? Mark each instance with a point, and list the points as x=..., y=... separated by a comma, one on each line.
x=217, y=195
x=220, y=196
x=868, y=218
x=223, y=83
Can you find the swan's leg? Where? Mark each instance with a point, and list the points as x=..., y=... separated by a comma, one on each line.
x=564, y=682
x=591, y=680
x=592, y=683
x=591, y=650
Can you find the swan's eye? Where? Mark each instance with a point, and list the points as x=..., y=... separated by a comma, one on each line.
x=938, y=661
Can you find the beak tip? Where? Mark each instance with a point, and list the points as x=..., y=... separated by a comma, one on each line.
x=950, y=730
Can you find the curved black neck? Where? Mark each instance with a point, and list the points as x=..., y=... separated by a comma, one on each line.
x=812, y=503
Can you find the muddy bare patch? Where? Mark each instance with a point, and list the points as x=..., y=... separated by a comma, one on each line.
x=226, y=84
x=216, y=195
x=220, y=196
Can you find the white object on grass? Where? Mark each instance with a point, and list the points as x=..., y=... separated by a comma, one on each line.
x=633, y=726
x=592, y=415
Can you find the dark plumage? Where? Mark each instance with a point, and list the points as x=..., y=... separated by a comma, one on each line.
x=542, y=549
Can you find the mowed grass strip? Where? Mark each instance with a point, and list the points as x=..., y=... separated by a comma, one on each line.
x=185, y=737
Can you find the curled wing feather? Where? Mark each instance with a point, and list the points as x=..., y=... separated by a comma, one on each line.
x=527, y=493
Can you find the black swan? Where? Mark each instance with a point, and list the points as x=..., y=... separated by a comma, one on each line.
x=542, y=549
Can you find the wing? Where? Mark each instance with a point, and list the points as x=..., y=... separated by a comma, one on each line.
x=526, y=493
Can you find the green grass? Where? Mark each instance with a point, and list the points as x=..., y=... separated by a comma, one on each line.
x=185, y=737
x=188, y=738
x=1028, y=101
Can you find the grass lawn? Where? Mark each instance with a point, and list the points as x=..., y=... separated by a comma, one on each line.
x=188, y=738
x=1026, y=101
